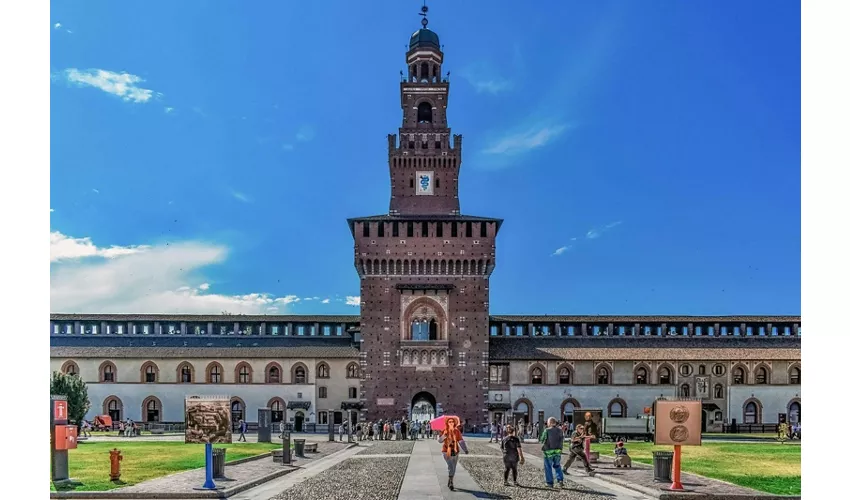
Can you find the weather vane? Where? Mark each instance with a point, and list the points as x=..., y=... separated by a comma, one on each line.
x=424, y=15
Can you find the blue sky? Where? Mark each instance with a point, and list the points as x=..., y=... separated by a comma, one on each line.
x=205, y=155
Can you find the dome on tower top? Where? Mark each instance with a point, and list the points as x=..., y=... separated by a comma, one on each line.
x=424, y=38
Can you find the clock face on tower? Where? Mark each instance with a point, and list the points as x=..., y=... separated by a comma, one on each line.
x=425, y=183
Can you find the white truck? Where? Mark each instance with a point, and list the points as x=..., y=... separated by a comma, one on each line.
x=625, y=429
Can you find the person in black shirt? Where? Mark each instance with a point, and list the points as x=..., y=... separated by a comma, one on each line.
x=512, y=450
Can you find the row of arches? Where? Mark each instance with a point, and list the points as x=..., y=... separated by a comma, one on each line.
x=243, y=373
x=425, y=161
x=663, y=375
x=424, y=267
x=424, y=72
x=152, y=411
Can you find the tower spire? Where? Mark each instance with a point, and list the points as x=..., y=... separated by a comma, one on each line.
x=424, y=14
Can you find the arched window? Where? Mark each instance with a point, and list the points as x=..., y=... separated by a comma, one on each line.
x=186, y=374
x=641, y=377
x=664, y=377
x=214, y=374
x=761, y=375
x=794, y=412
x=150, y=374
x=686, y=391
x=300, y=375
x=718, y=391
x=564, y=375
x=277, y=410
x=423, y=112
x=738, y=376
x=237, y=410
x=615, y=410
x=107, y=372
x=537, y=375
x=113, y=409
x=152, y=409
x=602, y=376
x=751, y=413
x=70, y=368
x=794, y=376
x=432, y=330
x=244, y=374
x=274, y=375
x=352, y=371
x=322, y=371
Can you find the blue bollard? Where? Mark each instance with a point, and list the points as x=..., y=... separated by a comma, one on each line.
x=208, y=483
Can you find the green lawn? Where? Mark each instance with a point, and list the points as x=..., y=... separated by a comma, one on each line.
x=143, y=460
x=769, y=467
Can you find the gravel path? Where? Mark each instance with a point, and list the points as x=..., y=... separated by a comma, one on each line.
x=372, y=479
x=387, y=448
x=483, y=448
x=488, y=473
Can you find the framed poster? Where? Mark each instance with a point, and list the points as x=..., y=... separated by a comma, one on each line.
x=425, y=183
x=678, y=422
x=208, y=419
x=591, y=419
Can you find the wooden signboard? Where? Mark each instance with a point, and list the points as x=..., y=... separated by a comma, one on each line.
x=678, y=423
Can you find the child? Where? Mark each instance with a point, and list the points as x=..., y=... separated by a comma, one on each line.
x=621, y=456
x=512, y=450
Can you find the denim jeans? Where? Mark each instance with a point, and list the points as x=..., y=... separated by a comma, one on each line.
x=451, y=461
x=550, y=463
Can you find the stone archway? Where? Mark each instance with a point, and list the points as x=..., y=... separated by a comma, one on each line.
x=423, y=407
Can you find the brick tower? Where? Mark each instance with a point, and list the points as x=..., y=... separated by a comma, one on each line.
x=424, y=268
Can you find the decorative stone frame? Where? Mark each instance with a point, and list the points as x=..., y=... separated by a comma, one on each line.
x=102, y=368
x=145, y=403
x=179, y=373
x=544, y=377
x=759, y=410
x=672, y=370
x=790, y=369
x=268, y=371
x=237, y=399
x=208, y=372
x=623, y=405
x=319, y=375
x=355, y=374
x=143, y=372
x=109, y=399
x=306, y=373
x=570, y=372
x=598, y=368
x=67, y=364
x=647, y=371
x=567, y=401
x=528, y=404
x=435, y=307
x=768, y=374
x=236, y=372
x=744, y=369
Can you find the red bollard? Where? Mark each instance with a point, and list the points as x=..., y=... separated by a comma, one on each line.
x=677, y=468
x=115, y=464
x=587, y=448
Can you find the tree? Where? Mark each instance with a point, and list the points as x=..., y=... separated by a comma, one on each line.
x=73, y=388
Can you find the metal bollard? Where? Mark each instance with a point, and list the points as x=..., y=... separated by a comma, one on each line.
x=286, y=457
x=115, y=459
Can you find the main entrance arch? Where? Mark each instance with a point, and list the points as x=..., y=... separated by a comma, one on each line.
x=423, y=407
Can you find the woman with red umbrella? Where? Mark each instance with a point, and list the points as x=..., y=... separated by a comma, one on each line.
x=453, y=442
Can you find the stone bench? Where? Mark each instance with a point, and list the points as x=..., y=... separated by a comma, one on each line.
x=157, y=430
x=311, y=447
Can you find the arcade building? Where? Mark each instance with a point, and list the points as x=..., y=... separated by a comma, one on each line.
x=425, y=342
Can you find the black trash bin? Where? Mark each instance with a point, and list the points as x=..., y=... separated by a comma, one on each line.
x=662, y=465
x=218, y=457
x=299, y=447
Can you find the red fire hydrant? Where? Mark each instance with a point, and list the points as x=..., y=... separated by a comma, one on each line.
x=115, y=459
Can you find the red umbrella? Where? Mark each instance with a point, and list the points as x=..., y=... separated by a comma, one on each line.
x=439, y=423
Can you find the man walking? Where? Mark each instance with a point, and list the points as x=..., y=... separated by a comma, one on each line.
x=553, y=441
x=242, y=428
x=577, y=450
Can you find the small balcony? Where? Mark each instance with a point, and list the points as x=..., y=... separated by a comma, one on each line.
x=424, y=344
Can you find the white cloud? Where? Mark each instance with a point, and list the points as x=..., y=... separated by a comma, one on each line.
x=352, y=300
x=561, y=250
x=168, y=109
x=65, y=247
x=305, y=134
x=57, y=26
x=525, y=141
x=95, y=191
x=326, y=301
x=143, y=279
x=492, y=86
x=120, y=84
x=596, y=233
x=593, y=234
x=51, y=210
x=242, y=197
